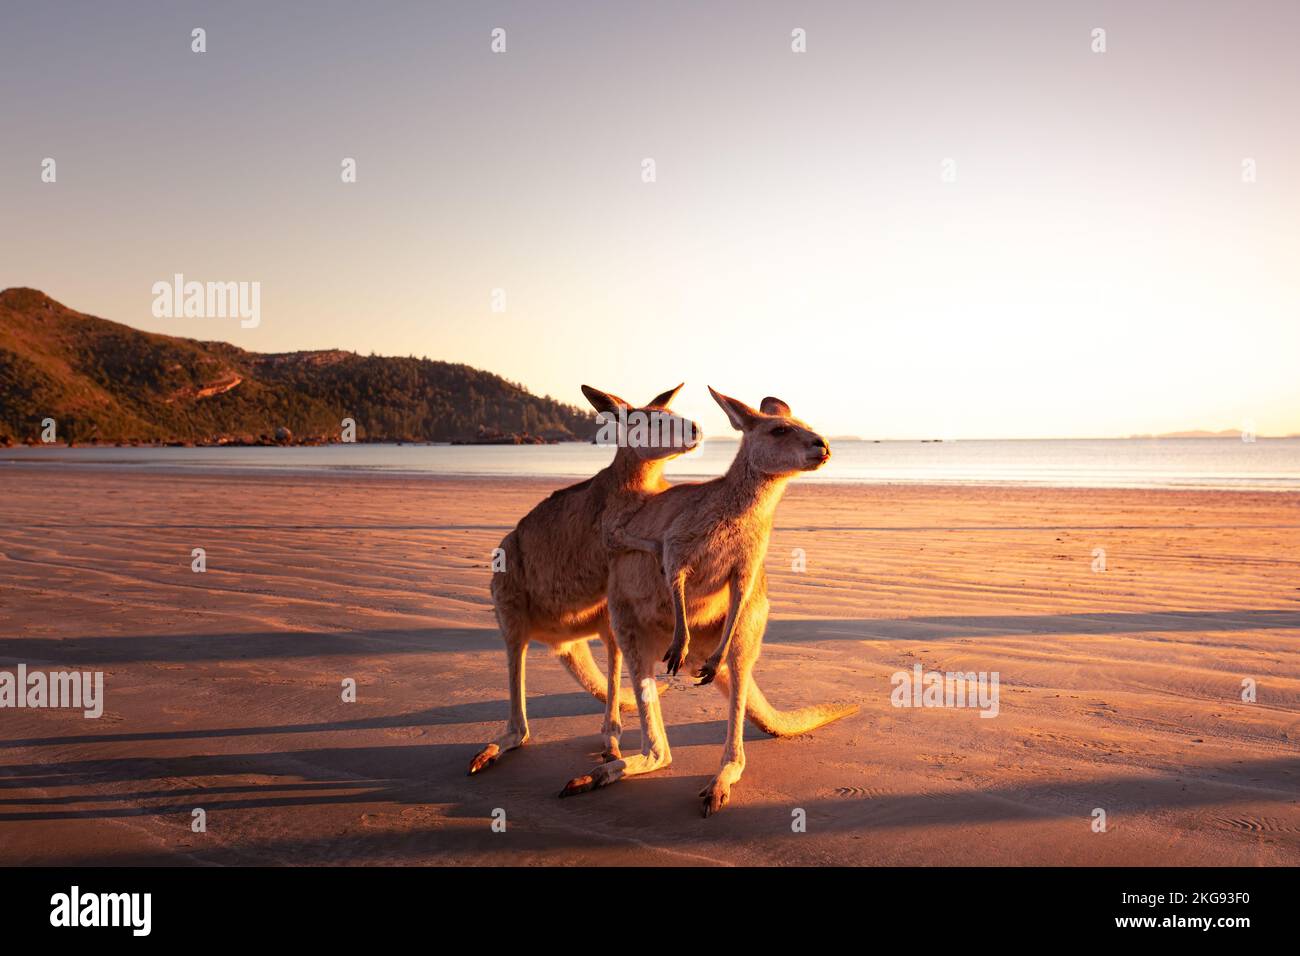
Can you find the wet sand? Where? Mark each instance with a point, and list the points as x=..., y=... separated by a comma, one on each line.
x=1120, y=689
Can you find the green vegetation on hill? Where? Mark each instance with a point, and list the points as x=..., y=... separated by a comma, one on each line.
x=100, y=380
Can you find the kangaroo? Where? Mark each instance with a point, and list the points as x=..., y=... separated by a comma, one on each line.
x=715, y=536
x=556, y=566
x=677, y=555
x=674, y=554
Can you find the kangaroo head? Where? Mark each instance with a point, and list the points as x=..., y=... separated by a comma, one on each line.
x=775, y=442
x=651, y=432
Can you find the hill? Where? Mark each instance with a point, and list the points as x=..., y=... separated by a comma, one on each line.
x=104, y=381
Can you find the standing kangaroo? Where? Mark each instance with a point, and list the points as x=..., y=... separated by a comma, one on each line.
x=556, y=567
x=714, y=536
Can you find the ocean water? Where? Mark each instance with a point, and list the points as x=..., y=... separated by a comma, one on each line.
x=1271, y=464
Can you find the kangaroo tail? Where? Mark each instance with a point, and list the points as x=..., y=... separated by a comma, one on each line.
x=577, y=658
x=787, y=723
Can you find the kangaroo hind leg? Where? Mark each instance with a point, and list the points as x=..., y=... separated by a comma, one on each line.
x=515, y=632
x=654, y=741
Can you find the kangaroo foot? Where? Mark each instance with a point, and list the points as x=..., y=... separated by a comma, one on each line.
x=494, y=751
x=579, y=785
x=715, y=796
x=611, y=753
x=602, y=775
x=486, y=758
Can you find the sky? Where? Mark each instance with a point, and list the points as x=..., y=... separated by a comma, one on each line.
x=941, y=220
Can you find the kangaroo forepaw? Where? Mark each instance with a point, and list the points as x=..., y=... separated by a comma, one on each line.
x=675, y=658
x=708, y=670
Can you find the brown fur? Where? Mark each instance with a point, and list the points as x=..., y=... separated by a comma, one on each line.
x=553, y=587
x=714, y=538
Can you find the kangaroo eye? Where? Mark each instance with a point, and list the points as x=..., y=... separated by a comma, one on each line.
x=780, y=430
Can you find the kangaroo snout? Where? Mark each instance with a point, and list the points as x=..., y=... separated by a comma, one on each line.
x=819, y=452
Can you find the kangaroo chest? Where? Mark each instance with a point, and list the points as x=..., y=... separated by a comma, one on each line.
x=716, y=557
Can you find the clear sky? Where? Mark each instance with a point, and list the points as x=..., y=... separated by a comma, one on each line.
x=1098, y=267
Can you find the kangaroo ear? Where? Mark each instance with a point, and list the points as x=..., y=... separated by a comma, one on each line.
x=663, y=398
x=741, y=416
x=774, y=406
x=604, y=401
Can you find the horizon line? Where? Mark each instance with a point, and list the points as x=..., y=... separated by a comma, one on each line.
x=1186, y=433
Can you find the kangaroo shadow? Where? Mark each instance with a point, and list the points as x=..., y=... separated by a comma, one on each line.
x=394, y=773
x=665, y=815
x=939, y=628
x=196, y=648
x=375, y=773
x=279, y=645
x=474, y=712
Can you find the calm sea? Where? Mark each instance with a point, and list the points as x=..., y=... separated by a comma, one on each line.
x=1271, y=464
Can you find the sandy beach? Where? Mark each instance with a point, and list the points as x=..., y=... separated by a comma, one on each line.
x=1121, y=689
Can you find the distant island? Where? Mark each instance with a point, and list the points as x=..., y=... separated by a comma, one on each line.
x=1226, y=433
x=104, y=382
